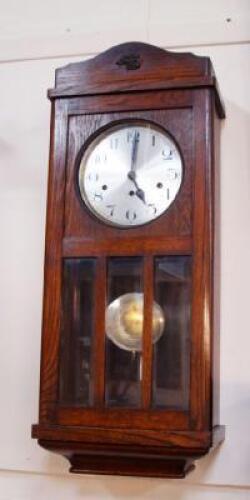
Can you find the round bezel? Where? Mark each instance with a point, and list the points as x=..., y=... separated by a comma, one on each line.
x=145, y=211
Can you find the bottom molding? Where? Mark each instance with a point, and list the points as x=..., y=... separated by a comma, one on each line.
x=173, y=457
x=131, y=466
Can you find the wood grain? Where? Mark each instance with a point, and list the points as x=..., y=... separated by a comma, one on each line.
x=159, y=68
x=53, y=263
x=147, y=350
x=176, y=222
x=98, y=362
x=179, y=93
x=77, y=247
x=155, y=439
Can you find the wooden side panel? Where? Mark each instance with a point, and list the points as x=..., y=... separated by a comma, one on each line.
x=201, y=258
x=205, y=389
x=211, y=265
x=216, y=266
x=52, y=278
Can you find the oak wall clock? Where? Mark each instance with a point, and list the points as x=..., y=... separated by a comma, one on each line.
x=130, y=340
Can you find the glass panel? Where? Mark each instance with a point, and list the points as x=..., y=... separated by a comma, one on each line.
x=124, y=322
x=77, y=331
x=171, y=358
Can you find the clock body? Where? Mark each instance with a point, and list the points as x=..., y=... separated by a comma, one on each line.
x=130, y=340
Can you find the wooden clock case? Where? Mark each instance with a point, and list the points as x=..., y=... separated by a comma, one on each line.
x=177, y=91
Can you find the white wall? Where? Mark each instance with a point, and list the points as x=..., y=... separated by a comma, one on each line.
x=35, y=38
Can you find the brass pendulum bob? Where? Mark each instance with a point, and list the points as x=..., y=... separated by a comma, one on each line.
x=124, y=321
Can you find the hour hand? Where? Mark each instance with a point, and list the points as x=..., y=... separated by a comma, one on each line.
x=132, y=176
x=139, y=192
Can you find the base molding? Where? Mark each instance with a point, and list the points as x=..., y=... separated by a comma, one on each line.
x=131, y=466
x=172, y=455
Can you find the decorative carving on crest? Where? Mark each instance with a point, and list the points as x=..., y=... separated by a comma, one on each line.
x=130, y=61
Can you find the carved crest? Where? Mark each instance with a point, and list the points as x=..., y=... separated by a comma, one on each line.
x=130, y=61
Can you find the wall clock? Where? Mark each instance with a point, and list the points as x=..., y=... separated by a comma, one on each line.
x=130, y=339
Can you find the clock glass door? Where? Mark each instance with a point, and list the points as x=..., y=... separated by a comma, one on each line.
x=171, y=354
x=124, y=329
x=126, y=295
x=123, y=332
x=77, y=331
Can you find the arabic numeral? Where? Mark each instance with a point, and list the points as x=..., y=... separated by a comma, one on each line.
x=100, y=158
x=114, y=142
x=133, y=136
x=168, y=194
x=98, y=196
x=93, y=177
x=111, y=209
x=153, y=140
x=130, y=135
x=153, y=207
x=97, y=159
x=167, y=154
x=172, y=174
x=137, y=136
x=131, y=215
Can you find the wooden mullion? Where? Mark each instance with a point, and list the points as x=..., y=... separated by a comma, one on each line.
x=98, y=356
x=147, y=350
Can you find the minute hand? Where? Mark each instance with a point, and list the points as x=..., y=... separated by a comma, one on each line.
x=132, y=173
x=134, y=152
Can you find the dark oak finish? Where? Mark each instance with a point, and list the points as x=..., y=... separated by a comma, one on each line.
x=147, y=349
x=53, y=264
x=129, y=418
x=160, y=68
x=76, y=247
x=98, y=363
x=178, y=219
x=179, y=93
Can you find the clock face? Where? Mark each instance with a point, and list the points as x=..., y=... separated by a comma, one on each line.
x=130, y=174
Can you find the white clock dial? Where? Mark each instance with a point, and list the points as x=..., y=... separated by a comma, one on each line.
x=130, y=174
